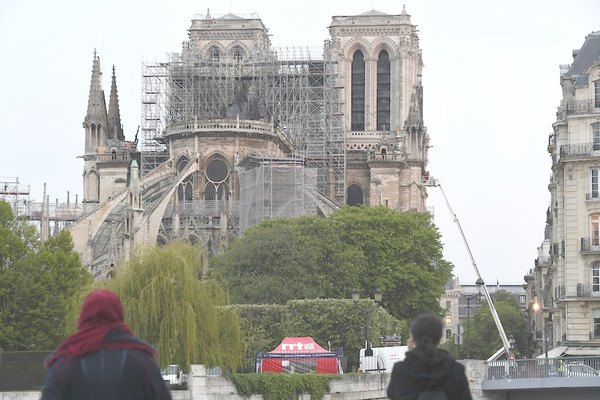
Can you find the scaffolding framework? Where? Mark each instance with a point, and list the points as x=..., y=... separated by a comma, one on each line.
x=296, y=93
x=275, y=188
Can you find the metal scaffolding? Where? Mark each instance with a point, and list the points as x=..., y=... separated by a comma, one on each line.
x=286, y=87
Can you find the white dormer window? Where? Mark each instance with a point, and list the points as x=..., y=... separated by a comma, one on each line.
x=597, y=94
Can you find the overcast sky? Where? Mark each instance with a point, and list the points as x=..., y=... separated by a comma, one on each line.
x=491, y=88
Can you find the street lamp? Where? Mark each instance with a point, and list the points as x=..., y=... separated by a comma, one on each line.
x=377, y=296
x=470, y=297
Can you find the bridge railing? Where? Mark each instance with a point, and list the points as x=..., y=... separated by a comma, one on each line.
x=568, y=367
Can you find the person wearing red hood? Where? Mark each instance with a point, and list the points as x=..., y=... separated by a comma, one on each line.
x=428, y=371
x=103, y=359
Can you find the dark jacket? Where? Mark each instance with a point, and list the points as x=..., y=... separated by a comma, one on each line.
x=418, y=371
x=106, y=374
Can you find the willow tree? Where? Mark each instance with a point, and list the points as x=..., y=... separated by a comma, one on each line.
x=168, y=305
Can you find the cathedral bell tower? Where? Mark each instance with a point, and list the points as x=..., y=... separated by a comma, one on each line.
x=380, y=79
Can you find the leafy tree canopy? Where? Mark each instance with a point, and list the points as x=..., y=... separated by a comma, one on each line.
x=484, y=336
x=288, y=258
x=357, y=247
x=167, y=305
x=36, y=281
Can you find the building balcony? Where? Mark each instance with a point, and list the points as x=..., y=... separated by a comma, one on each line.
x=590, y=245
x=583, y=107
x=588, y=290
x=593, y=196
x=582, y=150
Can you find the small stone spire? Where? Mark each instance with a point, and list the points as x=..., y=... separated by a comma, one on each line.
x=115, y=129
x=96, y=106
x=404, y=16
x=208, y=14
x=415, y=113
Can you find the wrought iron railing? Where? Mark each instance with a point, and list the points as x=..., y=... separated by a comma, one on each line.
x=564, y=367
x=593, y=196
x=581, y=150
x=588, y=290
x=590, y=244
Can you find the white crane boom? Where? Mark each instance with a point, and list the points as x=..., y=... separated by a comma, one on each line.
x=480, y=281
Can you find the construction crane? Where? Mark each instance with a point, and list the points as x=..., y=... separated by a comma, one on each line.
x=480, y=282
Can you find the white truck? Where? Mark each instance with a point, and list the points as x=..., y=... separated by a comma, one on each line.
x=382, y=360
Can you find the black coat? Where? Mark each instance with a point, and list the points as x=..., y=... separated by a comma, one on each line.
x=106, y=374
x=418, y=371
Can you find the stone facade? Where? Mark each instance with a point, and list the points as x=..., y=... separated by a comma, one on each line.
x=566, y=277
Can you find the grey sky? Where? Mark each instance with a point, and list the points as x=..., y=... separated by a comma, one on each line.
x=491, y=88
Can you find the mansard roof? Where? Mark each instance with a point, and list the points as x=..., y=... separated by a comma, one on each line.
x=585, y=57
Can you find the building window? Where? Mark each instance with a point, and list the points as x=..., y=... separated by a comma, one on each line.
x=597, y=94
x=185, y=191
x=594, y=183
x=595, y=230
x=448, y=334
x=596, y=321
x=354, y=195
x=214, y=54
x=522, y=299
x=448, y=305
x=217, y=174
x=596, y=136
x=238, y=55
x=596, y=277
x=383, y=91
x=357, y=84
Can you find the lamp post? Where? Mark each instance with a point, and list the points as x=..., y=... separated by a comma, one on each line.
x=377, y=295
x=469, y=297
x=536, y=307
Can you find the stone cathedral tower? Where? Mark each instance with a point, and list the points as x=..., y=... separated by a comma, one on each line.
x=380, y=66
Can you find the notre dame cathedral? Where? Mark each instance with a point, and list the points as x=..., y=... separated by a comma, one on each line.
x=235, y=131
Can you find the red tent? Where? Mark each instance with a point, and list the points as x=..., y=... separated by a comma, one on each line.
x=300, y=355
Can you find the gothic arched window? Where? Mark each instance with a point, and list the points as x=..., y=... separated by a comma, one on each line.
x=215, y=54
x=238, y=55
x=217, y=176
x=357, y=84
x=383, y=91
x=185, y=191
x=354, y=195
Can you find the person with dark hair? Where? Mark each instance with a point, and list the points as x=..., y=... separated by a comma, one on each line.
x=103, y=359
x=428, y=371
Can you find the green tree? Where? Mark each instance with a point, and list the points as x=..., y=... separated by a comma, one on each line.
x=288, y=258
x=357, y=247
x=36, y=281
x=484, y=336
x=168, y=305
x=403, y=254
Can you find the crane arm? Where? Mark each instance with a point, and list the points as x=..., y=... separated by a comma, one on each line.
x=480, y=281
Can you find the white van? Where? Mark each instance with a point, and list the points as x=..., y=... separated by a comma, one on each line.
x=382, y=360
x=172, y=375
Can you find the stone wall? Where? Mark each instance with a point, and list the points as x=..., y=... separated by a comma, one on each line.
x=201, y=386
